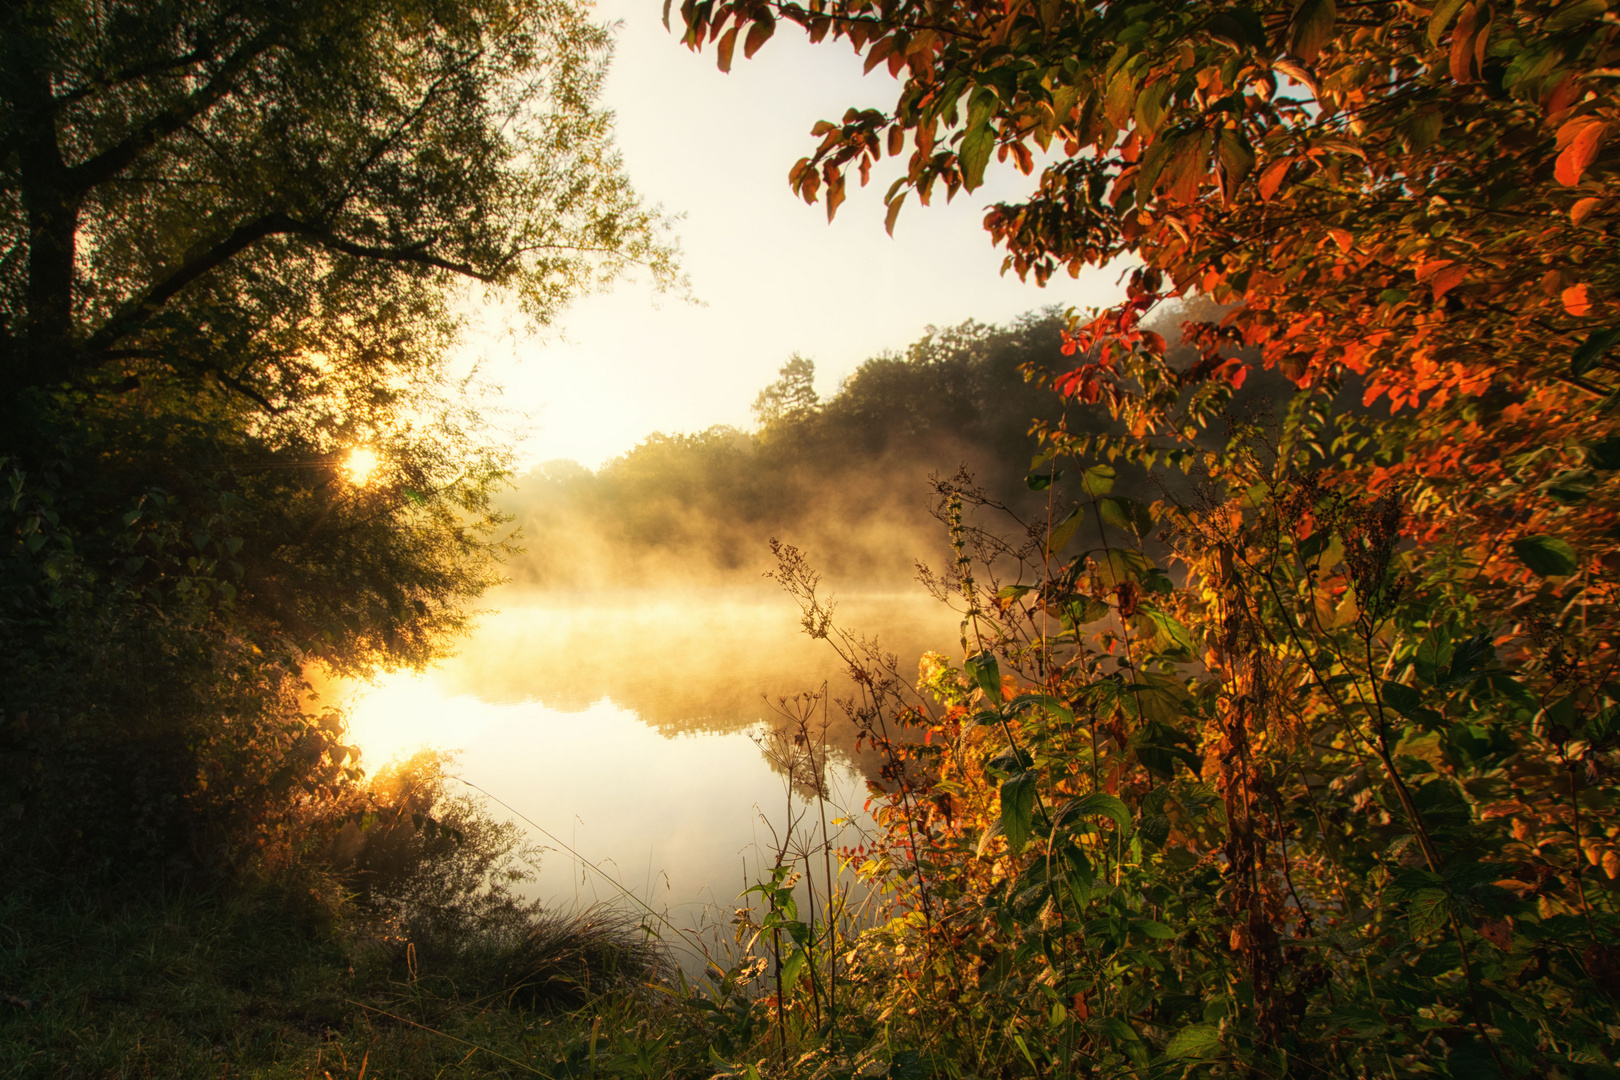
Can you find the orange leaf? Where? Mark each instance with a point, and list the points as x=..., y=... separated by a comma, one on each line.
x=1580, y=152
x=1462, y=46
x=1446, y=280
x=1576, y=301
x=1342, y=238
x=1272, y=178
x=1583, y=209
x=1428, y=268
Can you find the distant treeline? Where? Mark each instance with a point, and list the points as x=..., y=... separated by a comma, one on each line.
x=846, y=478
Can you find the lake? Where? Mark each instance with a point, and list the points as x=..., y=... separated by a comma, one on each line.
x=628, y=727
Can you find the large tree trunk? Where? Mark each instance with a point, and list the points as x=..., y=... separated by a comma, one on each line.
x=43, y=338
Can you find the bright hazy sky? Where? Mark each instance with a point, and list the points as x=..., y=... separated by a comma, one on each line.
x=771, y=275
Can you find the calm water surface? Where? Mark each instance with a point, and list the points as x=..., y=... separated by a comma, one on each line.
x=628, y=727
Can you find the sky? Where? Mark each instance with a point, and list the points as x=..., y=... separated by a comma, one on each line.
x=769, y=275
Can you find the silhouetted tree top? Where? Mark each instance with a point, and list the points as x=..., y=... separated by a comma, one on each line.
x=272, y=196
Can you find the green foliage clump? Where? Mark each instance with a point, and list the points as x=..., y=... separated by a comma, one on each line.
x=1241, y=783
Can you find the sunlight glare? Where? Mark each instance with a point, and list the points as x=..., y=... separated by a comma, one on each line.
x=361, y=464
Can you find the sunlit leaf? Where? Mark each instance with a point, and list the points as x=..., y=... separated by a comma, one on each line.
x=1098, y=480
x=1064, y=531
x=979, y=138
x=1197, y=1041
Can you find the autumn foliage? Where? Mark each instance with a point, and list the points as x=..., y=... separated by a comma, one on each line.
x=1303, y=764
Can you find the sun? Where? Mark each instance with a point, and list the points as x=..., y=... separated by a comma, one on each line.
x=361, y=464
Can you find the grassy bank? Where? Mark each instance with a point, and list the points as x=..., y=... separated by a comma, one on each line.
x=187, y=983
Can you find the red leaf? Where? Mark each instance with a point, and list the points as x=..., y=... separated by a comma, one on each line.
x=894, y=212
x=728, y=44
x=758, y=34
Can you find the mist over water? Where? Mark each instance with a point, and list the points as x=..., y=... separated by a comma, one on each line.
x=686, y=661
x=627, y=725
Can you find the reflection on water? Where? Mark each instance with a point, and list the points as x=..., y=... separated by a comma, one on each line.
x=625, y=725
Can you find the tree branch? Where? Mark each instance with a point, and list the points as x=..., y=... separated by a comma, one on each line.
x=416, y=254
x=203, y=53
x=113, y=160
x=139, y=310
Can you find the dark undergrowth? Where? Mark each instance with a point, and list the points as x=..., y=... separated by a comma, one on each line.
x=275, y=982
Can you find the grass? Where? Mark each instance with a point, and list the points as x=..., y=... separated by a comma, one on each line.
x=183, y=983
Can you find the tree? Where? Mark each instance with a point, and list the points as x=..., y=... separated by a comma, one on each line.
x=793, y=395
x=271, y=198
x=233, y=233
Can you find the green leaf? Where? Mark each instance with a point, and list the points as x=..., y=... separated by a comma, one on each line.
x=1409, y=703
x=1592, y=350
x=1064, y=531
x=1099, y=803
x=1045, y=701
x=1134, y=1047
x=1236, y=157
x=1238, y=27
x=985, y=672
x=1156, y=930
x=979, y=139
x=1468, y=660
x=1169, y=636
x=1153, y=163
x=1086, y=610
x=1198, y=1041
x=1039, y=481
x=1604, y=454
x=1119, y=565
x=792, y=968
x=1011, y=762
x=1546, y=556
x=1125, y=514
x=1098, y=480
x=1575, y=13
x=1018, y=809
x=1150, y=105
